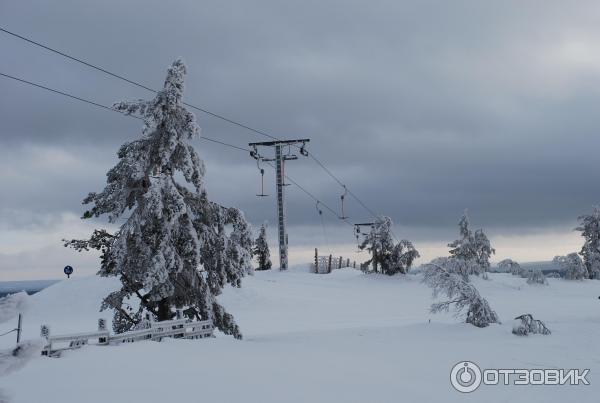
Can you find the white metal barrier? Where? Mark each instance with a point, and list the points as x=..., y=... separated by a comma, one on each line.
x=177, y=328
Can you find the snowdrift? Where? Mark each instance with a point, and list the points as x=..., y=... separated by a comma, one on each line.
x=341, y=337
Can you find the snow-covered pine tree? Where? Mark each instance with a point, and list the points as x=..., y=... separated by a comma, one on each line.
x=572, y=266
x=460, y=293
x=261, y=250
x=472, y=247
x=176, y=249
x=464, y=247
x=510, y=266
x=590, y=252
x=386, y=256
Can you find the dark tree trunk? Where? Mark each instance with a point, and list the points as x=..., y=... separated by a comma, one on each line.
x=375, y=265
x=164, y=310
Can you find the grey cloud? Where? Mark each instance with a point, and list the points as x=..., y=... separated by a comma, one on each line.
x=423, y=108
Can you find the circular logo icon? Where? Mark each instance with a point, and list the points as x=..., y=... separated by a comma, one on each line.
x=465, y=376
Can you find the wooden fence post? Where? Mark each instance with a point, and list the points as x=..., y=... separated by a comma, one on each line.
x=316, y=261
x=340, y=263
x=329, y=266
x=348, y=262
x=354, y=264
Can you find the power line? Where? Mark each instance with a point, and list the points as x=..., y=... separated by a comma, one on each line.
x=130, y=81
x=216, y=115
x=87, y=101
x=309, y=194
x=225, y=144
x=64, y=93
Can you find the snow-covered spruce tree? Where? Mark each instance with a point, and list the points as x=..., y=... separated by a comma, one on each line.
x=458, y=266
x=510, y=266
x=261, y=250
x=536, y=277
x=590, y=252
x=176, y=249
x=472, y=247
x=460, y=293
x=386, y=256
x=572, y=266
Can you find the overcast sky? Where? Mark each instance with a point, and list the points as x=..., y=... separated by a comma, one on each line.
x=423, y=108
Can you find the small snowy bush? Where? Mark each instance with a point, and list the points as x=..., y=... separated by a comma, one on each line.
x=525, y=324
x=536, y=277
x=462, y=294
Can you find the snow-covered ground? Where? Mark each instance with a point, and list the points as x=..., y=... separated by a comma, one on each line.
x=342, y=337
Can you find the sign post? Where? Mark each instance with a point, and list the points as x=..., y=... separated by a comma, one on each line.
x=68, y=271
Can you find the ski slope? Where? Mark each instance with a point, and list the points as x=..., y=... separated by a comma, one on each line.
x=340, y=337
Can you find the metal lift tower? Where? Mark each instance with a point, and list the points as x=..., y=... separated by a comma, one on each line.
x=279, y=160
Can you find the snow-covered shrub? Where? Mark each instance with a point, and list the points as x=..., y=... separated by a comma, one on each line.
x=386, y=256
x=461, y=294
x=536, y=277
x=590, y=231
x=572, y=266
x=473, y=248
x=12, y=305
x=510, y=266
x=525, y=324
x=402, y=257
x=261, y=250
x=176, y=249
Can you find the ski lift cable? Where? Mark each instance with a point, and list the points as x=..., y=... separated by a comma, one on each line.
x=106, y=107
x=312, y=196
x=213, y=114
x=87, y=101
